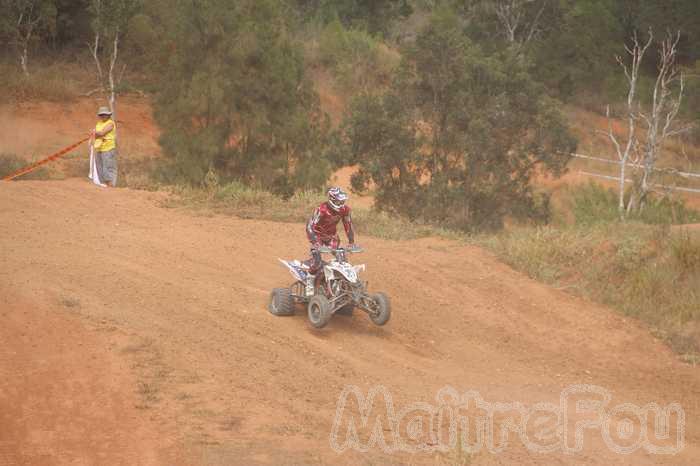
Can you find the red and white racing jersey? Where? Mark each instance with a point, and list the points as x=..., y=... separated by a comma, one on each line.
x=322, y=226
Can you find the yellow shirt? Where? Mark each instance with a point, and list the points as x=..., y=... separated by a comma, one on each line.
x=108, y=141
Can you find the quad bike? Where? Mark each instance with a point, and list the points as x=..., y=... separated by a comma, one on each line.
x=337, y=289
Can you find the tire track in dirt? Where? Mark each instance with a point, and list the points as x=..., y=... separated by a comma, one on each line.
x=243, y=387
x=66, y=397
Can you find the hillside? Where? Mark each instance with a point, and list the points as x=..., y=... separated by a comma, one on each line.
x=115, y=304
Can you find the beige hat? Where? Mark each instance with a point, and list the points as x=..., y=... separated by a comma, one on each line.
x=104, y=111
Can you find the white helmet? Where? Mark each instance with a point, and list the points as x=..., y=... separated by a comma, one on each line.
x=336, y=198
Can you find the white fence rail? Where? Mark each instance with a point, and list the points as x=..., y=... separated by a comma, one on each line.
x=617, y=178
x=617, y=162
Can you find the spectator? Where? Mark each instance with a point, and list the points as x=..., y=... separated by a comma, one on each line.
x=105, y=144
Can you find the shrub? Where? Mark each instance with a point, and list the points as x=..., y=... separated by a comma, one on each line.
x=10, y=163
x=593, y=204
x=667, y=210
x=686, y=252
x=358, y=60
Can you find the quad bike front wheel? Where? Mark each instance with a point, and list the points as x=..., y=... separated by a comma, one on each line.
x=281, y=302
x=319, y=311
x=382, y=311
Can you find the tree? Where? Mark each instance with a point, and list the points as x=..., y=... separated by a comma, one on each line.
x=25, y=20
x=568, y=42
x=72, y=24
x=110, y=21
x=516, y=21
x=659, y=119
x=234, y=97
x=667, y=15
x=576, y=51
x=460, y=134
x=376, y=16
x=630, y=153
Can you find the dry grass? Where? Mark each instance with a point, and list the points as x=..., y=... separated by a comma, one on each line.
x=245, y=202
x=648, y=272
x=55, y=82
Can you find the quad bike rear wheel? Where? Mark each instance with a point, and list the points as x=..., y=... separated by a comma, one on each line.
x=281, y=302
x=319, y=310
x=382, y=312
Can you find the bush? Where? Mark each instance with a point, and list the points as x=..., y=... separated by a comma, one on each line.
x=667, y=210
x=593, y=204
x=686, y=252
x=10, y=163
x=358, y=60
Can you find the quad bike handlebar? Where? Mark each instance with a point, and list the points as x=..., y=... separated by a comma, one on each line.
x=329, y=250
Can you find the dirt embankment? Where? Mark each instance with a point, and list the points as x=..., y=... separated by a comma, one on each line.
x=36, y=129
x=127, y=323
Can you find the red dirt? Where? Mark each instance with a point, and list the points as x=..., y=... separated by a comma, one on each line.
x=180, y=356
x=342, y=178
x=331, y=101
x=35, y=130
x=67, y=394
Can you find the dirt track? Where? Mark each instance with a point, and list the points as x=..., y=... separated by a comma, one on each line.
x=137, y=334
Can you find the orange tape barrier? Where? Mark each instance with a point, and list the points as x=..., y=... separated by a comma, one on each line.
x=48, y=159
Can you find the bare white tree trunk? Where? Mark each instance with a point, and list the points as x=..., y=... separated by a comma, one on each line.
x=629, y=153
x=112, y=63
x=511, y=14
x=24, y=59
x=95, y=55
x=95, y=46
x=659, y=121
x=112, y=86
x=108, y=81
x=26, y=22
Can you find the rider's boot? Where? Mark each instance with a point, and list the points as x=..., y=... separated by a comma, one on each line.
x=309, y=282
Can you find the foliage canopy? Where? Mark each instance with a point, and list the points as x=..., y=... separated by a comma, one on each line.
x=459, y=135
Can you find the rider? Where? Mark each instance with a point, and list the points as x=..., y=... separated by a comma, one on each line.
x=321, y=230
